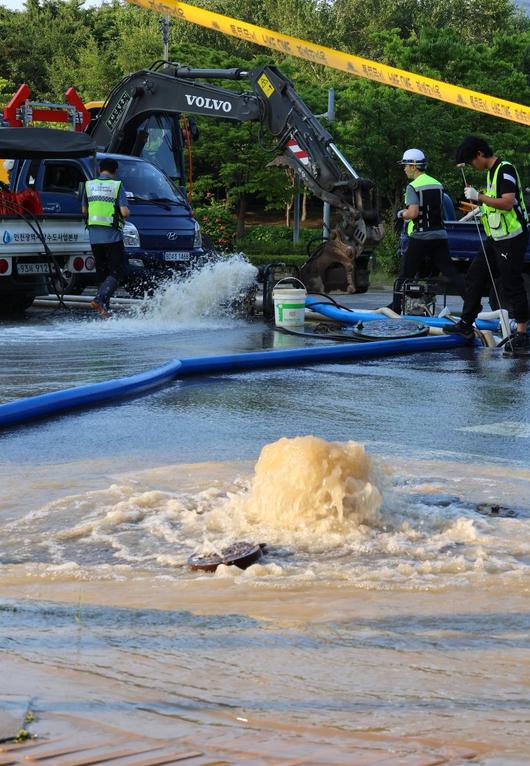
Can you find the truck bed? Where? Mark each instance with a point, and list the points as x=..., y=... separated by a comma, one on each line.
x=464, y=242
x=64, y=236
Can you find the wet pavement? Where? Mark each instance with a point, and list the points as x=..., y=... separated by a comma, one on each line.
x=370, y=635
x=468, y=401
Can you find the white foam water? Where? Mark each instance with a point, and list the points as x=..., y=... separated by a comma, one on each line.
x=203, y=294
x=199, y=300
x=327, y=510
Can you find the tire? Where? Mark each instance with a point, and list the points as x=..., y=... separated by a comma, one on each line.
x=361, y=275
x=361, y=290
x=16, y=305
x=73, y=286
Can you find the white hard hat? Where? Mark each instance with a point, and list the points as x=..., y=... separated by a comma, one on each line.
x=413, y=157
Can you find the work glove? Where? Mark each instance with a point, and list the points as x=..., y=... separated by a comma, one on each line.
x=471, y=194
x=399, y=213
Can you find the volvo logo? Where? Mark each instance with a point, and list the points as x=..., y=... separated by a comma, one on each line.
x=172, y=235
x=214, y=104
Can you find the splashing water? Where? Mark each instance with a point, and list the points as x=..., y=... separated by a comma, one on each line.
x=305, y=493
x=203, y=293
x=325, y=510
x=307, y=481
x=201, y=299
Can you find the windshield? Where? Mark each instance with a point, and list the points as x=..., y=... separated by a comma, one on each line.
x=160, y=146
x=144, y=181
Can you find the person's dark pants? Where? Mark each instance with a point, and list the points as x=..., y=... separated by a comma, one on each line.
x=417, y=253
x=111, y=269
x=506, y=259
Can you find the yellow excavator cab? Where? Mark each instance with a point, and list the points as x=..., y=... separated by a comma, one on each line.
x=93, y=107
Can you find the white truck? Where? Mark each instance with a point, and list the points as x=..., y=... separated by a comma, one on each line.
x=34, y=249
x=27, y=267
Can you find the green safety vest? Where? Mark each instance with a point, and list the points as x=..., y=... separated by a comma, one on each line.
x=502, y=224
x=102, y=196
x=430, y=215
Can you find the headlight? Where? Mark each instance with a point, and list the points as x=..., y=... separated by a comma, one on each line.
x=197, y=237
x=131, y=237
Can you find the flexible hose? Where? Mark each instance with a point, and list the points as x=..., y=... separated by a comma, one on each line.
x=352, y=317
x=58, y=402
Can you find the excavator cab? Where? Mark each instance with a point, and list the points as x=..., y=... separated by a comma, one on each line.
x=141, y=117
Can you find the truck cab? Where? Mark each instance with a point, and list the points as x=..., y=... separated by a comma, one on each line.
x=161, y=234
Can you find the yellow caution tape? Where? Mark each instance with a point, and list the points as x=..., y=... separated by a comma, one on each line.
x=372, y=70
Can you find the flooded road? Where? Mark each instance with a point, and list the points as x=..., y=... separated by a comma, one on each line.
x=386, y=603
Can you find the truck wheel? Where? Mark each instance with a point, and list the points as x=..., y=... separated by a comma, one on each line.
x=74, y=285
x=16, y=305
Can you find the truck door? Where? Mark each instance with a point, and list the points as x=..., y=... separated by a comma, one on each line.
x=60, y=183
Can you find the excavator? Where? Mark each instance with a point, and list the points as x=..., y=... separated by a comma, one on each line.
x=141, y=117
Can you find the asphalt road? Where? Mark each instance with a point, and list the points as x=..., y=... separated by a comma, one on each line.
x=467, y=402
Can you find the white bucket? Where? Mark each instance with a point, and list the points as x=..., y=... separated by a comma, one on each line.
x=289, y=304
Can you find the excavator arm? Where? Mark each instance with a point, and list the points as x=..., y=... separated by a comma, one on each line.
x=303, y=143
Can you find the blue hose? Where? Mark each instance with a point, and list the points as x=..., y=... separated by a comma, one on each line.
x=45, y=405
x=24, y=410
x=313, y=355
x=352, y=317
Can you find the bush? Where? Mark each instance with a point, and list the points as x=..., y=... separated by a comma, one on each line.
x=386, y=253
x=275, y=240
x=263, y=259
x=217, y=223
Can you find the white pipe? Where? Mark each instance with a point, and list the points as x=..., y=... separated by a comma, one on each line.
x=45, y=303
x=85, y=299
x=502, y=316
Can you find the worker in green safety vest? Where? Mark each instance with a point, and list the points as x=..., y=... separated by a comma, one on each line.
x=105, y=209
x=423, y=216
x=505, y=221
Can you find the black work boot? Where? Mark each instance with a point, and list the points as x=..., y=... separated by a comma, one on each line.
x=517, y=345
x=460, y=328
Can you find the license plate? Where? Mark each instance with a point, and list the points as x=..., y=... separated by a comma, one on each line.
x=32, y=268
x=176, y=255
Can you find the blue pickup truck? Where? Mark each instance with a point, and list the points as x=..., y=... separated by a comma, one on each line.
x=464, y=245
x=161, y=235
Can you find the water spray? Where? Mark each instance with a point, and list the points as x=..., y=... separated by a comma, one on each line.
x=504, y=322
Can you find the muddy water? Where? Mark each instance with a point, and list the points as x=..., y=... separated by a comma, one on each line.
x=399, y=610
x=385, y=604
